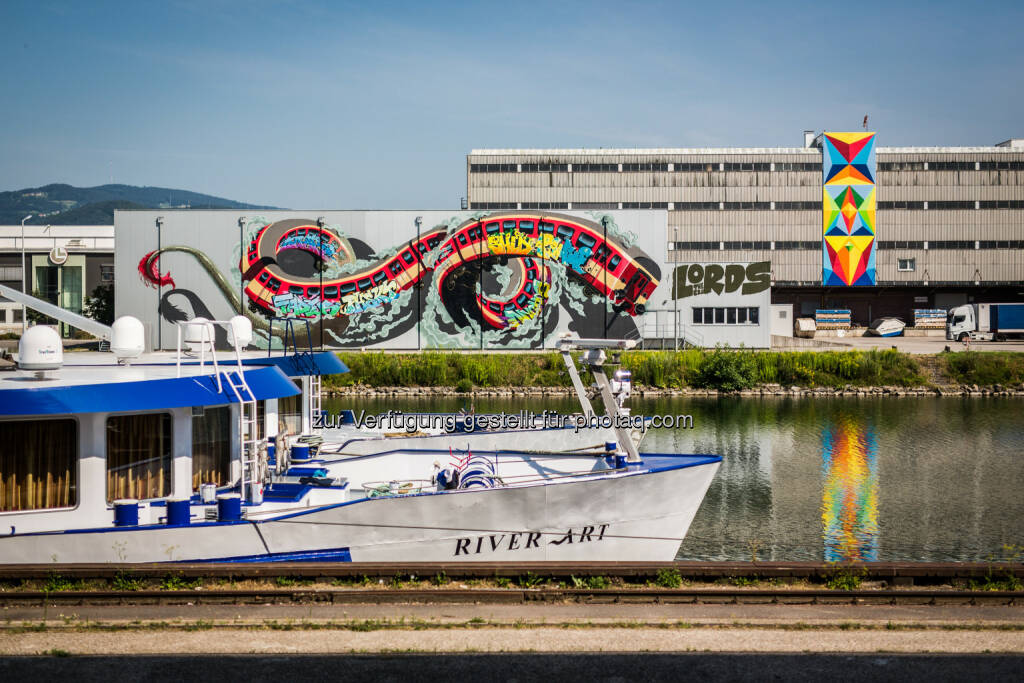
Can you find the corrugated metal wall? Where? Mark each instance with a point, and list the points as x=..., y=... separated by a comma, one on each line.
x=713, y=184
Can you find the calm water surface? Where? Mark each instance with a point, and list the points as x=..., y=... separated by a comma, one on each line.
x=832, y=479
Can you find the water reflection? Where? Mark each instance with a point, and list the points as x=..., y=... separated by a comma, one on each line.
x=849, y=502
x=914, y=479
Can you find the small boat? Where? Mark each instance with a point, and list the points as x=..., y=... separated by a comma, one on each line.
x=886, y=327
x=133, y=457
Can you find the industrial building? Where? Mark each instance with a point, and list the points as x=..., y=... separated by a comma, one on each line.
x=65, y=264
x=950, y=220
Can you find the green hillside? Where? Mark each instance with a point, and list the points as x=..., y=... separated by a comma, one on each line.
x=67, y=205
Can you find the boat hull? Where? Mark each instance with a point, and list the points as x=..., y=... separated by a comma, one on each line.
x=638, y=515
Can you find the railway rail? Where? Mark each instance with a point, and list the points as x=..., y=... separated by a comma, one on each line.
x=512, y=596
x=893, y=573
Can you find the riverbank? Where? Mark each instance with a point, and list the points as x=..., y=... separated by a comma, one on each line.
x=690, y=372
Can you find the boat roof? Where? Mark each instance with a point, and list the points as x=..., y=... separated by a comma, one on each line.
x=291, y=364
x=88, y=385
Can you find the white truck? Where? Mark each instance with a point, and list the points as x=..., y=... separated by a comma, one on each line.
x=985, y=322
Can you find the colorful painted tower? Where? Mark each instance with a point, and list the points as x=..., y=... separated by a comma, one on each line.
x=848, y=209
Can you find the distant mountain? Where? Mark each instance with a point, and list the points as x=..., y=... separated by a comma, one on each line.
x=66, y=205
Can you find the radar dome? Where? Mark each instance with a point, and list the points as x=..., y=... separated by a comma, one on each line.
x=199, y=331
x=127, y=338
x=40, y=348
x=240, y=329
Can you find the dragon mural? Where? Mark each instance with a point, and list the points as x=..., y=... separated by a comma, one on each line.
x=500, y=279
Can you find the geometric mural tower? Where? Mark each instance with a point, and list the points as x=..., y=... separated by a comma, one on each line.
x=848, y=210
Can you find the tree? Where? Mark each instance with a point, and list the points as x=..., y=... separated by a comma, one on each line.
x=100, y=305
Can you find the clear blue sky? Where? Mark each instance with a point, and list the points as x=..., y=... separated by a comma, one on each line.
x=375, y=104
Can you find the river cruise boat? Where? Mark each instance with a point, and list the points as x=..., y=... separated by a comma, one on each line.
x=133, y=457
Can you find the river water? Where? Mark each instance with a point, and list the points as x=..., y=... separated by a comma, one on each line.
x=832, y=479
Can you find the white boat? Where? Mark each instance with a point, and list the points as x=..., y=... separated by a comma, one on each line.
x=125, y=457
x=886, y=327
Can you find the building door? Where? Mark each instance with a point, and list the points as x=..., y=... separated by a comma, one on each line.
x=61, y=285
x=782, y=320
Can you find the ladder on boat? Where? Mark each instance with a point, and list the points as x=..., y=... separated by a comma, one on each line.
x=303, y=361
x=248, y=435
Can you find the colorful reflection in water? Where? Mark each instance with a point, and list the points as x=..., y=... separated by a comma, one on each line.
x=849, y=505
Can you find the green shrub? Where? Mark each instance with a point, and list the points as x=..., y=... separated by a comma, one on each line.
x=727, y=371
x=669, y=578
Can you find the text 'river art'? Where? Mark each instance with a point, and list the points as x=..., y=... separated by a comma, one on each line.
x=512, y=279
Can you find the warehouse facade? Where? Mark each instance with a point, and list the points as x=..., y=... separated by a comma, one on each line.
x=950, y=220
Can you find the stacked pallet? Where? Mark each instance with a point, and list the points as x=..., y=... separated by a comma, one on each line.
x=934, y=318
x=832, y=318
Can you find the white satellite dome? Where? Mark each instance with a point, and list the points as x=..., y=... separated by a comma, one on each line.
x=240, y=329
x=40, y=349
x=127, y=338
x=199, y=331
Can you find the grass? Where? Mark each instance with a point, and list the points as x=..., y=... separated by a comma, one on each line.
x=983, y=368
x=715, y=369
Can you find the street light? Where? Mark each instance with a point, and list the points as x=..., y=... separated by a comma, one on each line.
x=24, y=311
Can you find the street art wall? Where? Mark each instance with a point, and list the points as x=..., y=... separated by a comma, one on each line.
x=507, y=279
x=848, y=214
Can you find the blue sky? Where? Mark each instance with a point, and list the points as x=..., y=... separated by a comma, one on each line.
x=375, y=105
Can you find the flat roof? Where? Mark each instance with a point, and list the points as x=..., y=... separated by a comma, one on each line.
x=729, y=150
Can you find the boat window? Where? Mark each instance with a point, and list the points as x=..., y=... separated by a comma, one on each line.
x=138, y=456
x=38, y=467
x=364, y=284
x=614, y=262
x=211, y=447
x=289, y=413
x=379, y=277
x=408, y=257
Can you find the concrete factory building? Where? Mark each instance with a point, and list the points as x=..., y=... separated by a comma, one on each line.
x=950, y=220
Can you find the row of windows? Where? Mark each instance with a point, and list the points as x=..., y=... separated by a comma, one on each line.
x=727, y=316
x=542, y=205
x=648, y=167
x=753, y=206
x=754, y=166
x=782, y=245
x=951, y=166
x=644, y=205
x=968, y=204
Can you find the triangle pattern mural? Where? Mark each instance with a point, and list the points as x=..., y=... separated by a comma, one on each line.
x=848, y=210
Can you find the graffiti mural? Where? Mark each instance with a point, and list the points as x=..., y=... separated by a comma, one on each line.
x=512, y=279
x=849, y=508
x=848, y=216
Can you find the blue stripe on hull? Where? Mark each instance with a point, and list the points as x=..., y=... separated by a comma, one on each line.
x=328, y=555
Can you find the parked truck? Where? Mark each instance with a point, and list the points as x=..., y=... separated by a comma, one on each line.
x=985, y=322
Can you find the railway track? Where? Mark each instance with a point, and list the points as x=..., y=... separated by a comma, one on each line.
x=894, y=573
x=511, y=596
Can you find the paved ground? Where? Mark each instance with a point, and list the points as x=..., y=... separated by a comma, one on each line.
x=921, y=344
x=519, y=667
x=569, y=628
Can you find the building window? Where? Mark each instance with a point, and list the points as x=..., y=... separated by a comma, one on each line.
x=107, y=272
x=10, y=274
x=906, y=265
x=138, y=456
x=743, y=315
x=211, y=447
x=38, y=468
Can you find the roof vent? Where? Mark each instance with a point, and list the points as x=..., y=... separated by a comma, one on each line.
x=40, y=350
x=127, y=339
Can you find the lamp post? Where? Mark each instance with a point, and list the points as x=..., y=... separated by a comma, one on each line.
x=320, y=222
x=24, y=311
x=159, y=286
